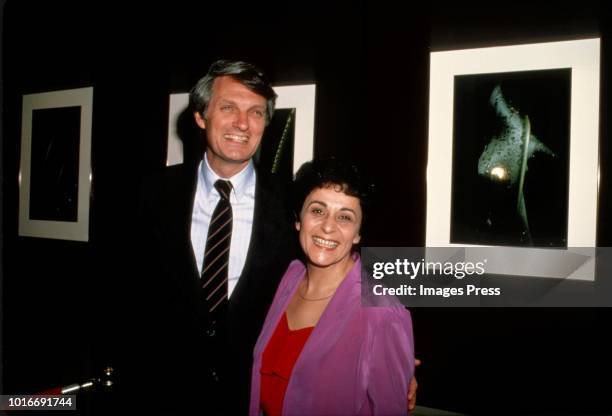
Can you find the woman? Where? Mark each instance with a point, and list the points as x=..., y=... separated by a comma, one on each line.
x=320, y=351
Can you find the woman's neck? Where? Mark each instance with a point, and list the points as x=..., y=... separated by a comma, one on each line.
x=323, y=280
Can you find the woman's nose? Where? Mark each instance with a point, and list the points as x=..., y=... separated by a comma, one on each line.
x=328, y=224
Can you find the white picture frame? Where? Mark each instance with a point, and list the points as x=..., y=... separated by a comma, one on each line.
x=74, y=151
x=583, y=58
x=300, y=97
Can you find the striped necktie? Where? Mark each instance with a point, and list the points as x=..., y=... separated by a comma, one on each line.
x=216, y=254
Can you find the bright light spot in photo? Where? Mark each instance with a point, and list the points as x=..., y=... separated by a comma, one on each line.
x=500, y=173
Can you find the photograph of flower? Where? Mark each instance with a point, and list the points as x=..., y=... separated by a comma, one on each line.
x=510, y=178
x=513, y=152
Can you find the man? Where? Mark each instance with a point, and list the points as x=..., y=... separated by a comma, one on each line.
x=197, y=359
x=200, y=336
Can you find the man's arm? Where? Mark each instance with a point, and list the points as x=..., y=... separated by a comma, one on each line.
x=412, y=388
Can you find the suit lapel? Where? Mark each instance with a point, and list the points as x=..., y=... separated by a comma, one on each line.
x=332, y=322
x=255, y=246
x=189, y=198
x=181, y=192
x=268, y=223
x=293, y=278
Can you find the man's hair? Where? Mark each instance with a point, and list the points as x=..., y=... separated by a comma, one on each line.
x=245, y=73
x=333, y=173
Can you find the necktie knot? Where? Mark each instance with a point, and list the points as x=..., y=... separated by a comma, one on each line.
x=224, y=188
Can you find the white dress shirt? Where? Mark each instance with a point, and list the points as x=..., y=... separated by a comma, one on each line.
x=242, y=199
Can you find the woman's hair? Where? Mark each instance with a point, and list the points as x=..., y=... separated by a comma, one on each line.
x=321, y=173
x=245, y=73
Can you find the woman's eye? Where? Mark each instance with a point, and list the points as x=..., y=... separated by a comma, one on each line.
x=346, y=218
x=317, y=211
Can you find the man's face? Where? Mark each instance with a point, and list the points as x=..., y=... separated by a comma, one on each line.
x=234, y=121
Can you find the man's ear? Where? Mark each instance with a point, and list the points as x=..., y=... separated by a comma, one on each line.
x=199, y=120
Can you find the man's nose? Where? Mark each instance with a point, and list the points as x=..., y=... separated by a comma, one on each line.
x=241, y=121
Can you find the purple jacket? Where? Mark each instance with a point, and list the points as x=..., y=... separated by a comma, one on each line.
x=357, y=361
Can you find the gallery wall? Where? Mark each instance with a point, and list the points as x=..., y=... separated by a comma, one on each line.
x=370, y=62
x=1, y=180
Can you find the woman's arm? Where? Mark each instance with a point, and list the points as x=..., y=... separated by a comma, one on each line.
x=392, y=362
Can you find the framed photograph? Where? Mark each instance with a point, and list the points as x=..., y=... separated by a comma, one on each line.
x=513, y=148
x=288, y=140
x=55, y=170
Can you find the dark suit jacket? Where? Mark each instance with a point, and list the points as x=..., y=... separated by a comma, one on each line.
x=172, y=353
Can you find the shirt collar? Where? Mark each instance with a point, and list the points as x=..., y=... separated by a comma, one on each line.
x=241, y=182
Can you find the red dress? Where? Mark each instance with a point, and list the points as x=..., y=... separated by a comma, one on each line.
x=278, y=360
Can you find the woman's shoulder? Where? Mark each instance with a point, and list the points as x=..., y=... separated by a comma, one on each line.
x=295, y=267
x=386, y=312
x=294, y=271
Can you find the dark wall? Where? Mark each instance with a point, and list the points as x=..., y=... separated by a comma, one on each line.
x=488, y=361
x=370, y=62
x=1, y=181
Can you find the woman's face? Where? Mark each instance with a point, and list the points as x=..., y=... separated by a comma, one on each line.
x=329, y=226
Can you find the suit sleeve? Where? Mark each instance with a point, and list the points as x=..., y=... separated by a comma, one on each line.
x=392, y=363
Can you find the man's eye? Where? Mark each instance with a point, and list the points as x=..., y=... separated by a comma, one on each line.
x=346, y=218
x=259, y=113
x=227, y=107
x=317, y=211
